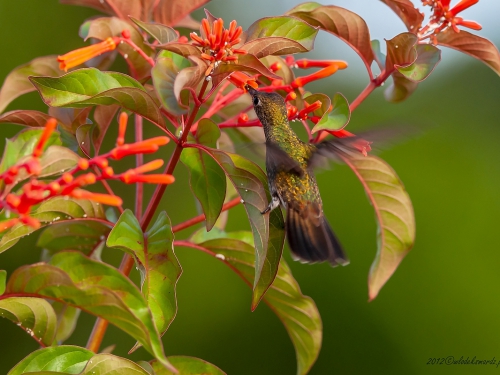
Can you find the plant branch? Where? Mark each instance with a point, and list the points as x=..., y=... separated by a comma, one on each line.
x=200, y=218
x=174, y=159
x=139, y=160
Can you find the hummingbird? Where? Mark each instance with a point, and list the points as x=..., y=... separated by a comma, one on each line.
x=292, y=184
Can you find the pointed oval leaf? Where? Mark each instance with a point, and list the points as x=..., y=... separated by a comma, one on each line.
x=268, y=230
x=276, y=46
x=67, y=317
x=401, y=51
x=187, y=366
x=25, y=117
x=120, y=8
x=103, y=116
x=428, y=56
x=189, y=78
x=35, y=315
x=105, y=27
x=95, y=287
x=337, y=118
x=17, y=82
x=472, y=45
x=400, y=89
x=162, y=34
x=3, y=279
x=80, y=235
x=111, y=364
x=342, y=23
x=405, y=10
x=157, y=262
x=59, y=359
x=172, y=12
x=183, y=49
x=167, y=67
x=206, y=177
x=88, y=87
x=297, y=312
x=395, y=217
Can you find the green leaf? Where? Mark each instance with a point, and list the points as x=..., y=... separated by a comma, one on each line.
x=279, y=36
x=405, y=10
x=25, y=117
x=67, y=317
x=81, y=235
x=428, y=57
x=105, y=27
x=58, y=359
x=103, y=116
x=400, y=88
x=395, y=217
x=35, y=315
x=167, y=67
x=52, y=210
x=268, y=230
x=162, y=34
x=472, y=45
x=157, y=262
x=207, y=179
x=297, y=312
x=95, y=287
x=71, y=118
x=88, y=87
x=342, y=23
x=187, y=366
x=17, y=82
x=3, y=279
x=337, y=118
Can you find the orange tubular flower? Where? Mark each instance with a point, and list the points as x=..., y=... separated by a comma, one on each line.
x=444, y=17
x=240, y=80
x=310, y=108
x=144, y=147
x=149, y=178
x=81, y=55
x=110, y=200
x=322, y=73
x=49, y=128
x=122, y=127
x=8, y=224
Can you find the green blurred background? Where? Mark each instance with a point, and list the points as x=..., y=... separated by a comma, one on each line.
x=442, y=301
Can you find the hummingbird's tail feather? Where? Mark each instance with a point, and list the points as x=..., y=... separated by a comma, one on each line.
x=312, y=240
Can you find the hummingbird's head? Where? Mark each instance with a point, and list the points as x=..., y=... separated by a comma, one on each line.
x=270, y=107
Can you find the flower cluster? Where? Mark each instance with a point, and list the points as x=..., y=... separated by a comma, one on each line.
x=217, y=43
x=443, y=17
x=70, y=183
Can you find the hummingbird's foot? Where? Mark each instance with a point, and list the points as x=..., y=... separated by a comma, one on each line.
x=275, y=202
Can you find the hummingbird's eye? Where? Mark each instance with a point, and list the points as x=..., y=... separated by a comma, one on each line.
x=256, y=101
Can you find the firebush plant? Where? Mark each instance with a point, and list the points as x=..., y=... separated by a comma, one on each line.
x=192, y=86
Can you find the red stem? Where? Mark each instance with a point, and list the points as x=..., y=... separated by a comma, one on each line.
x=174, y=159
x=201, y=218
x=139, y=51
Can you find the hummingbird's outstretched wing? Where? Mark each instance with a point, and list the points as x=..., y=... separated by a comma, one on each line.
x=281, y=161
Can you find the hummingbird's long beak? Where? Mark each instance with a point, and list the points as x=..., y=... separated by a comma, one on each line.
x=250, y=90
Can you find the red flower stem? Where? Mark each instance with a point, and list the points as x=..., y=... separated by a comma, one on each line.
x=201, y=218
x=374, y=83
x=138, y=50
x=139, y=160
x=174, y=159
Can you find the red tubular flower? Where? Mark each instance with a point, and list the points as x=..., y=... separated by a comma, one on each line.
x=50, y=125
x=110, y=200
x=8, y=224
x=148, y=167
x=323, y=73
x=144, y=147
x=275, y=67
x=31, y=221
x=310, y=108
x=81, y=55
x=122, y=128
x=242, y=118
x=305, y=64
x=291, y=111
x=240, y=80
x=149, y=178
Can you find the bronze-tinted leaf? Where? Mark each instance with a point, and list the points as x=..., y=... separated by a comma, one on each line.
x=162, y=34
x=473, y=45
x=171, y=12
x=405, y=10
x=25, y=117
x=401, y=51
x=120, y=8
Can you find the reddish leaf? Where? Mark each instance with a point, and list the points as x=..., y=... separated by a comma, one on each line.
x=405, y=10
x=286, y=73
x=105, y=27
x=428, y=56
x=400, y=89
x=182, y=49
x=71, y=118
x=25, y=117
x=163, y=34
x=170, y=12
x=401, y=51
x=190, y=77
x=103, y=116
x=473, y=45
x=17, y=82
x=273, y=46
x=120, y=8
x=341, y=22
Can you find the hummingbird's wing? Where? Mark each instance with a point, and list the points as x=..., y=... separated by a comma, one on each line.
x=281, y=161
